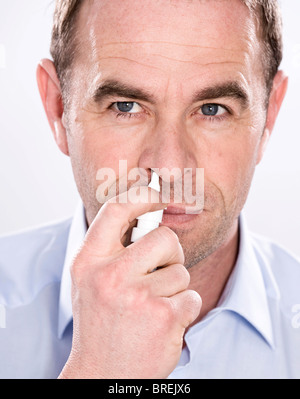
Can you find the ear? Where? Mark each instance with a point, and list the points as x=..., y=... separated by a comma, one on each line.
x=277, y=95
x=50, y=92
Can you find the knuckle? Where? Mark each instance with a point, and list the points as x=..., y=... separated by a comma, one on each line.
x=111, y=279
x=82, y=263
x=180, y=273
x=169, y=239
x=112, y=209
x=134, y=300
x=165, y=312
x=87, y=272
x=167, y=234
x=77, y=270
x=192, y=305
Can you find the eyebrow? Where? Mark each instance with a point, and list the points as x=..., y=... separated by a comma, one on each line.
x=228, y=89
x=113, y=88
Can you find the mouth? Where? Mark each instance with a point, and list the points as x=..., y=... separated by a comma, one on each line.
x=179, y=215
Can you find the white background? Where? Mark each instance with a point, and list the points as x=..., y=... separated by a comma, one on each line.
x=36, y=181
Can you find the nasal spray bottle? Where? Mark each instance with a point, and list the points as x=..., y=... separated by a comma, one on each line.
x=150, y=220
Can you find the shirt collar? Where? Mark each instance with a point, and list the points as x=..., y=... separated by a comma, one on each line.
x=246, y=292
x=76, y=235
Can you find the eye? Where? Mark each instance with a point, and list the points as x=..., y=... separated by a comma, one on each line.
x=212, y=110
x=127, y=107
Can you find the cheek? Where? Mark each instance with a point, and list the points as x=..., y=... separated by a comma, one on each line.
x=231, y=170
x=96, y=154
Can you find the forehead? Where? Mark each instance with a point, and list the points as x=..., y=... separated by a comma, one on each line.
x=179, y=37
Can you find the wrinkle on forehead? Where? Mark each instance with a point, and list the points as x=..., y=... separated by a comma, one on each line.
x=161, y=42
x=132, y=22
x=97, y=46
x=106, y=39
x=153, y=54
x=169, y=50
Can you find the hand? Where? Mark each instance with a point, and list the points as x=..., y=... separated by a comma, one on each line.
x=129, y=320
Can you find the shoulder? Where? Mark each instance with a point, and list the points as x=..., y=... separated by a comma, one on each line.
x=53, y=228
x=280, y=265
x=30, y=258
x=24, y=243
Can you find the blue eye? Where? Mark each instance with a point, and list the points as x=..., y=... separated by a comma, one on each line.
x=211, y=109
x=127, y=107
x=124, y=106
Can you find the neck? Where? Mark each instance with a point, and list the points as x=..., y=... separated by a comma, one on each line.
x=210, y=276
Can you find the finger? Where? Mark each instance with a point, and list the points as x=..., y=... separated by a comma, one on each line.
x=160, y=247
x=186, y=306
x=168, y=281
x=114, y=218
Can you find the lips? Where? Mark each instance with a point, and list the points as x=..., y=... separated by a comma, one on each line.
x=179, y=215
x=172, y=210
x=182, y=210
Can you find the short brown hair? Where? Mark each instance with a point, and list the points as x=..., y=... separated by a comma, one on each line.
x=63, y=43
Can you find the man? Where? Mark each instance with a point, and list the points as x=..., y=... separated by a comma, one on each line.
x=167, y=85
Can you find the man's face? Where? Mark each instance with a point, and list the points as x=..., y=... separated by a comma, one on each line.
x=142, y=83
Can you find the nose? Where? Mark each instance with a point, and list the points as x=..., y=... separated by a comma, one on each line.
x=169, y=148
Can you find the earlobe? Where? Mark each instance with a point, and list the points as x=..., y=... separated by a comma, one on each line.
x=50, y=92
x=60, y=136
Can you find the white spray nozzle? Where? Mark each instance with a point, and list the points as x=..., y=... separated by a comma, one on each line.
x=150, y=220
x=154, y=182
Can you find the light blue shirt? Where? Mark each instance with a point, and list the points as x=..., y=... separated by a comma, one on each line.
x=254, y=332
